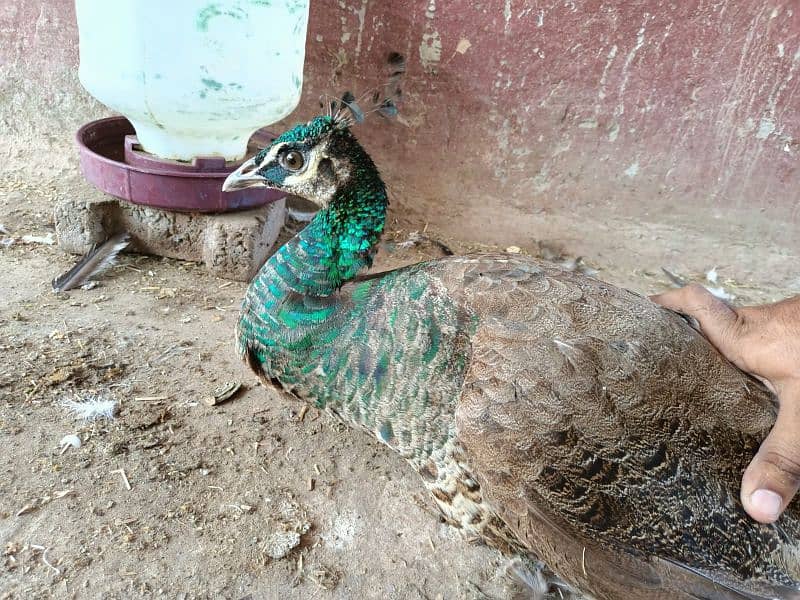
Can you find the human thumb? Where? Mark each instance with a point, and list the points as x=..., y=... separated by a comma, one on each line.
x=773, y=476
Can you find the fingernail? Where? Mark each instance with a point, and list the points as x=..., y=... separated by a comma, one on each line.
x=767, y=503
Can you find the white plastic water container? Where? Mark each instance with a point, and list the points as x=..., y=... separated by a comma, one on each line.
x=194, y=77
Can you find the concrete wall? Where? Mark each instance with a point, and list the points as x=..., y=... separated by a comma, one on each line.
x=682, y=112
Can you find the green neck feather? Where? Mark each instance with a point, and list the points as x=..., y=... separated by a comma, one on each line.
x=293, y=297
x=340, y=241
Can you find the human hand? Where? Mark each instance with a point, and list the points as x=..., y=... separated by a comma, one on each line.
x=763, y=341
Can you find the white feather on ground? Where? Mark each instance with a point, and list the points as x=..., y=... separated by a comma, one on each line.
x=527, y=580
x=711, y=277
x=414, y=238
x=720, y=293
x=69, y=441
x=90, y=408
x=38, y=239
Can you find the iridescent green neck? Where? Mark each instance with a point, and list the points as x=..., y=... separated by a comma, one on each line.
x=338, y=243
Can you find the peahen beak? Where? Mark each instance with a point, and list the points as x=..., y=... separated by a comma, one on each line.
x=245, y=176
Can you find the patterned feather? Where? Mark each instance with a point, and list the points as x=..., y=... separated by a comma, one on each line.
x=100, y=258
x=384, y=100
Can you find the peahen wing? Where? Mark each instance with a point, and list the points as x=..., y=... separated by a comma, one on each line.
x=388, y=354
x=611, y=437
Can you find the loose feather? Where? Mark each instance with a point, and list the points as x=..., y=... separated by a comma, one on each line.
x=349, y=100
x=97, y=260
x=676, y=280
x=384, y=100
x=387, y=106
x=90, y=408
x=393, y=92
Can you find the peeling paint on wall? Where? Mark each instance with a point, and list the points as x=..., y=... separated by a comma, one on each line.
x=361, y=14
x=620, y=110
x=430, y=51
x=765, y=128
x=613, y=132
x=601, y=93
x=430, y=48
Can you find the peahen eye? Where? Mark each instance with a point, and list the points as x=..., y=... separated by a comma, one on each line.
x=293, y=160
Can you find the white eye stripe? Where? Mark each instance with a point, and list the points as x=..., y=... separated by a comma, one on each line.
x=270, y=156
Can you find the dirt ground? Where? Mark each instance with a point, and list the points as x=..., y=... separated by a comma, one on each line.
x=217, y=497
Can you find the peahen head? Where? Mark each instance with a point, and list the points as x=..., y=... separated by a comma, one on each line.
x=324, y=163
x=319, y=161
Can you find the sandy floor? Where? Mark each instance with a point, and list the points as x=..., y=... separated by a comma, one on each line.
x=215, y=491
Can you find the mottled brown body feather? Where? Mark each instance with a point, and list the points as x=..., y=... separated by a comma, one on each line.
x=611, y=437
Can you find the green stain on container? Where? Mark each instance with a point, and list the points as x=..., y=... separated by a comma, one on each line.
x=205, y=15
x=214, y=10
x=295, y=5
x=212, y=84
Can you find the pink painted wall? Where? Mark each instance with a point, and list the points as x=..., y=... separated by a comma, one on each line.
x=680, y=112
x=647, y=107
